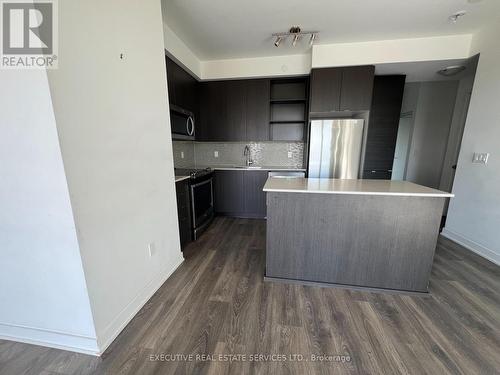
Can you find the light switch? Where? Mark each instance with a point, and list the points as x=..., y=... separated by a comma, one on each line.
x=216, y=154
x=182, y=154
x=481, y=158
x=290, y=154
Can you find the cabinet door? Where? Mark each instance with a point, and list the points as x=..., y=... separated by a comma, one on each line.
x=257, y=109
x=325, y=89
x=377, y=174
x=171, y=80
x=255, y=198
x=234, y=126
x=183, y=212
x=212, y=112
x=384, y=124
x=357, y=88
x=188, y=93
x=182, y=87
x=229, y=192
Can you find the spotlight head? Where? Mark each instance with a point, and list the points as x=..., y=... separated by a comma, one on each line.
x=311, y=40
x=295, y=40
x=278, y=41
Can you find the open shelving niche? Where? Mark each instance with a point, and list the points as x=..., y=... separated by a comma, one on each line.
x=288, y=109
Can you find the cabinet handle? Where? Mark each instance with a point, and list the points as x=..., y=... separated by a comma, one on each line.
x=190, y=125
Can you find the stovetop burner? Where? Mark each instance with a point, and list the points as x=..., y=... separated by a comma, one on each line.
x=193, y=173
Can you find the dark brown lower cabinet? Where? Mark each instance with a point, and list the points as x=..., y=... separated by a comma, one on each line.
x=377, y=174
x=184, y=212
x=255, y=198
x=229, y=199
x=239, y=193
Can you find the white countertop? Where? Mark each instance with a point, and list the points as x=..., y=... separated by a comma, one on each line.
x=260, y=168
x=360, y=187
x=181, y=178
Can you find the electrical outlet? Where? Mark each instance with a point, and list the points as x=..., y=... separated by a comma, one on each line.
x=151, y=249
x=216, y=154
x=290, y=154
x=182, y=154
x=481, y=158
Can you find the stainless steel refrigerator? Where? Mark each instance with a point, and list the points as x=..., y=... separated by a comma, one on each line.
x=335, y=148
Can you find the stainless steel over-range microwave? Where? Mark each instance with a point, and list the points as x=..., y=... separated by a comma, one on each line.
x=182, y=123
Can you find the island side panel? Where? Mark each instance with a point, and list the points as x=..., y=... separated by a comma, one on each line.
x=362, y=240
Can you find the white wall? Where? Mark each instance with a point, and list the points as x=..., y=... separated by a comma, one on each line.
x=433, y=115
x=474, y=213
x=405, y=129
x=289, y=65
x=43, y=295
x=392, y=51
x=320, y=55
x=113, y=121
x=401, y=151
x=178, y=50
x=464, y=93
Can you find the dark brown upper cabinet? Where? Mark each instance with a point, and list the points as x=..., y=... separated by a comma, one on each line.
x=212, y=122
x=182, y=87
x=234, y=128
x=357, y=88
x=384, y=123
x=257, y=110
x=326, y=84
x=234, y=110
x=341, y=89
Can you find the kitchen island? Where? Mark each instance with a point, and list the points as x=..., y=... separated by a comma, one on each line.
x=374, y=234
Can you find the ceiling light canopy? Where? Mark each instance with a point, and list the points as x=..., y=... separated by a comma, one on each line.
x=296, y=33
x=456, y=16
x=451, y=70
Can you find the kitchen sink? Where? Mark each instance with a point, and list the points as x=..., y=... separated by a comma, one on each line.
x=245, y=167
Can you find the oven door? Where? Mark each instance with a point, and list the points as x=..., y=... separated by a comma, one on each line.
x=202, y=203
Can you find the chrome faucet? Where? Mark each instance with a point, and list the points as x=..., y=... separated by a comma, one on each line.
x=248, y=156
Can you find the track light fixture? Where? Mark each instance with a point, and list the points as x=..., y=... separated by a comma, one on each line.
x=296, y=33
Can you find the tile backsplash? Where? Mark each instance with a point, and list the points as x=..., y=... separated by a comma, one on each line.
x=201, y=154
x=183, y=154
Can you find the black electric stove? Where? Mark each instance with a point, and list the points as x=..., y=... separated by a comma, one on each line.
x=201, y=194
x=194, y=173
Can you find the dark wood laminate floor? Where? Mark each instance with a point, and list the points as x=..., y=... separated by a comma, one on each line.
x=217, y=303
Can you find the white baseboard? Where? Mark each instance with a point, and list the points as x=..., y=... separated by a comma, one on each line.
x=84, y=344
x=125, y=316
x=52, y=339
x=472, y=246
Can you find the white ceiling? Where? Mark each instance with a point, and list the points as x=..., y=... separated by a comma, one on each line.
x=425, y=71
x=221, y=29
